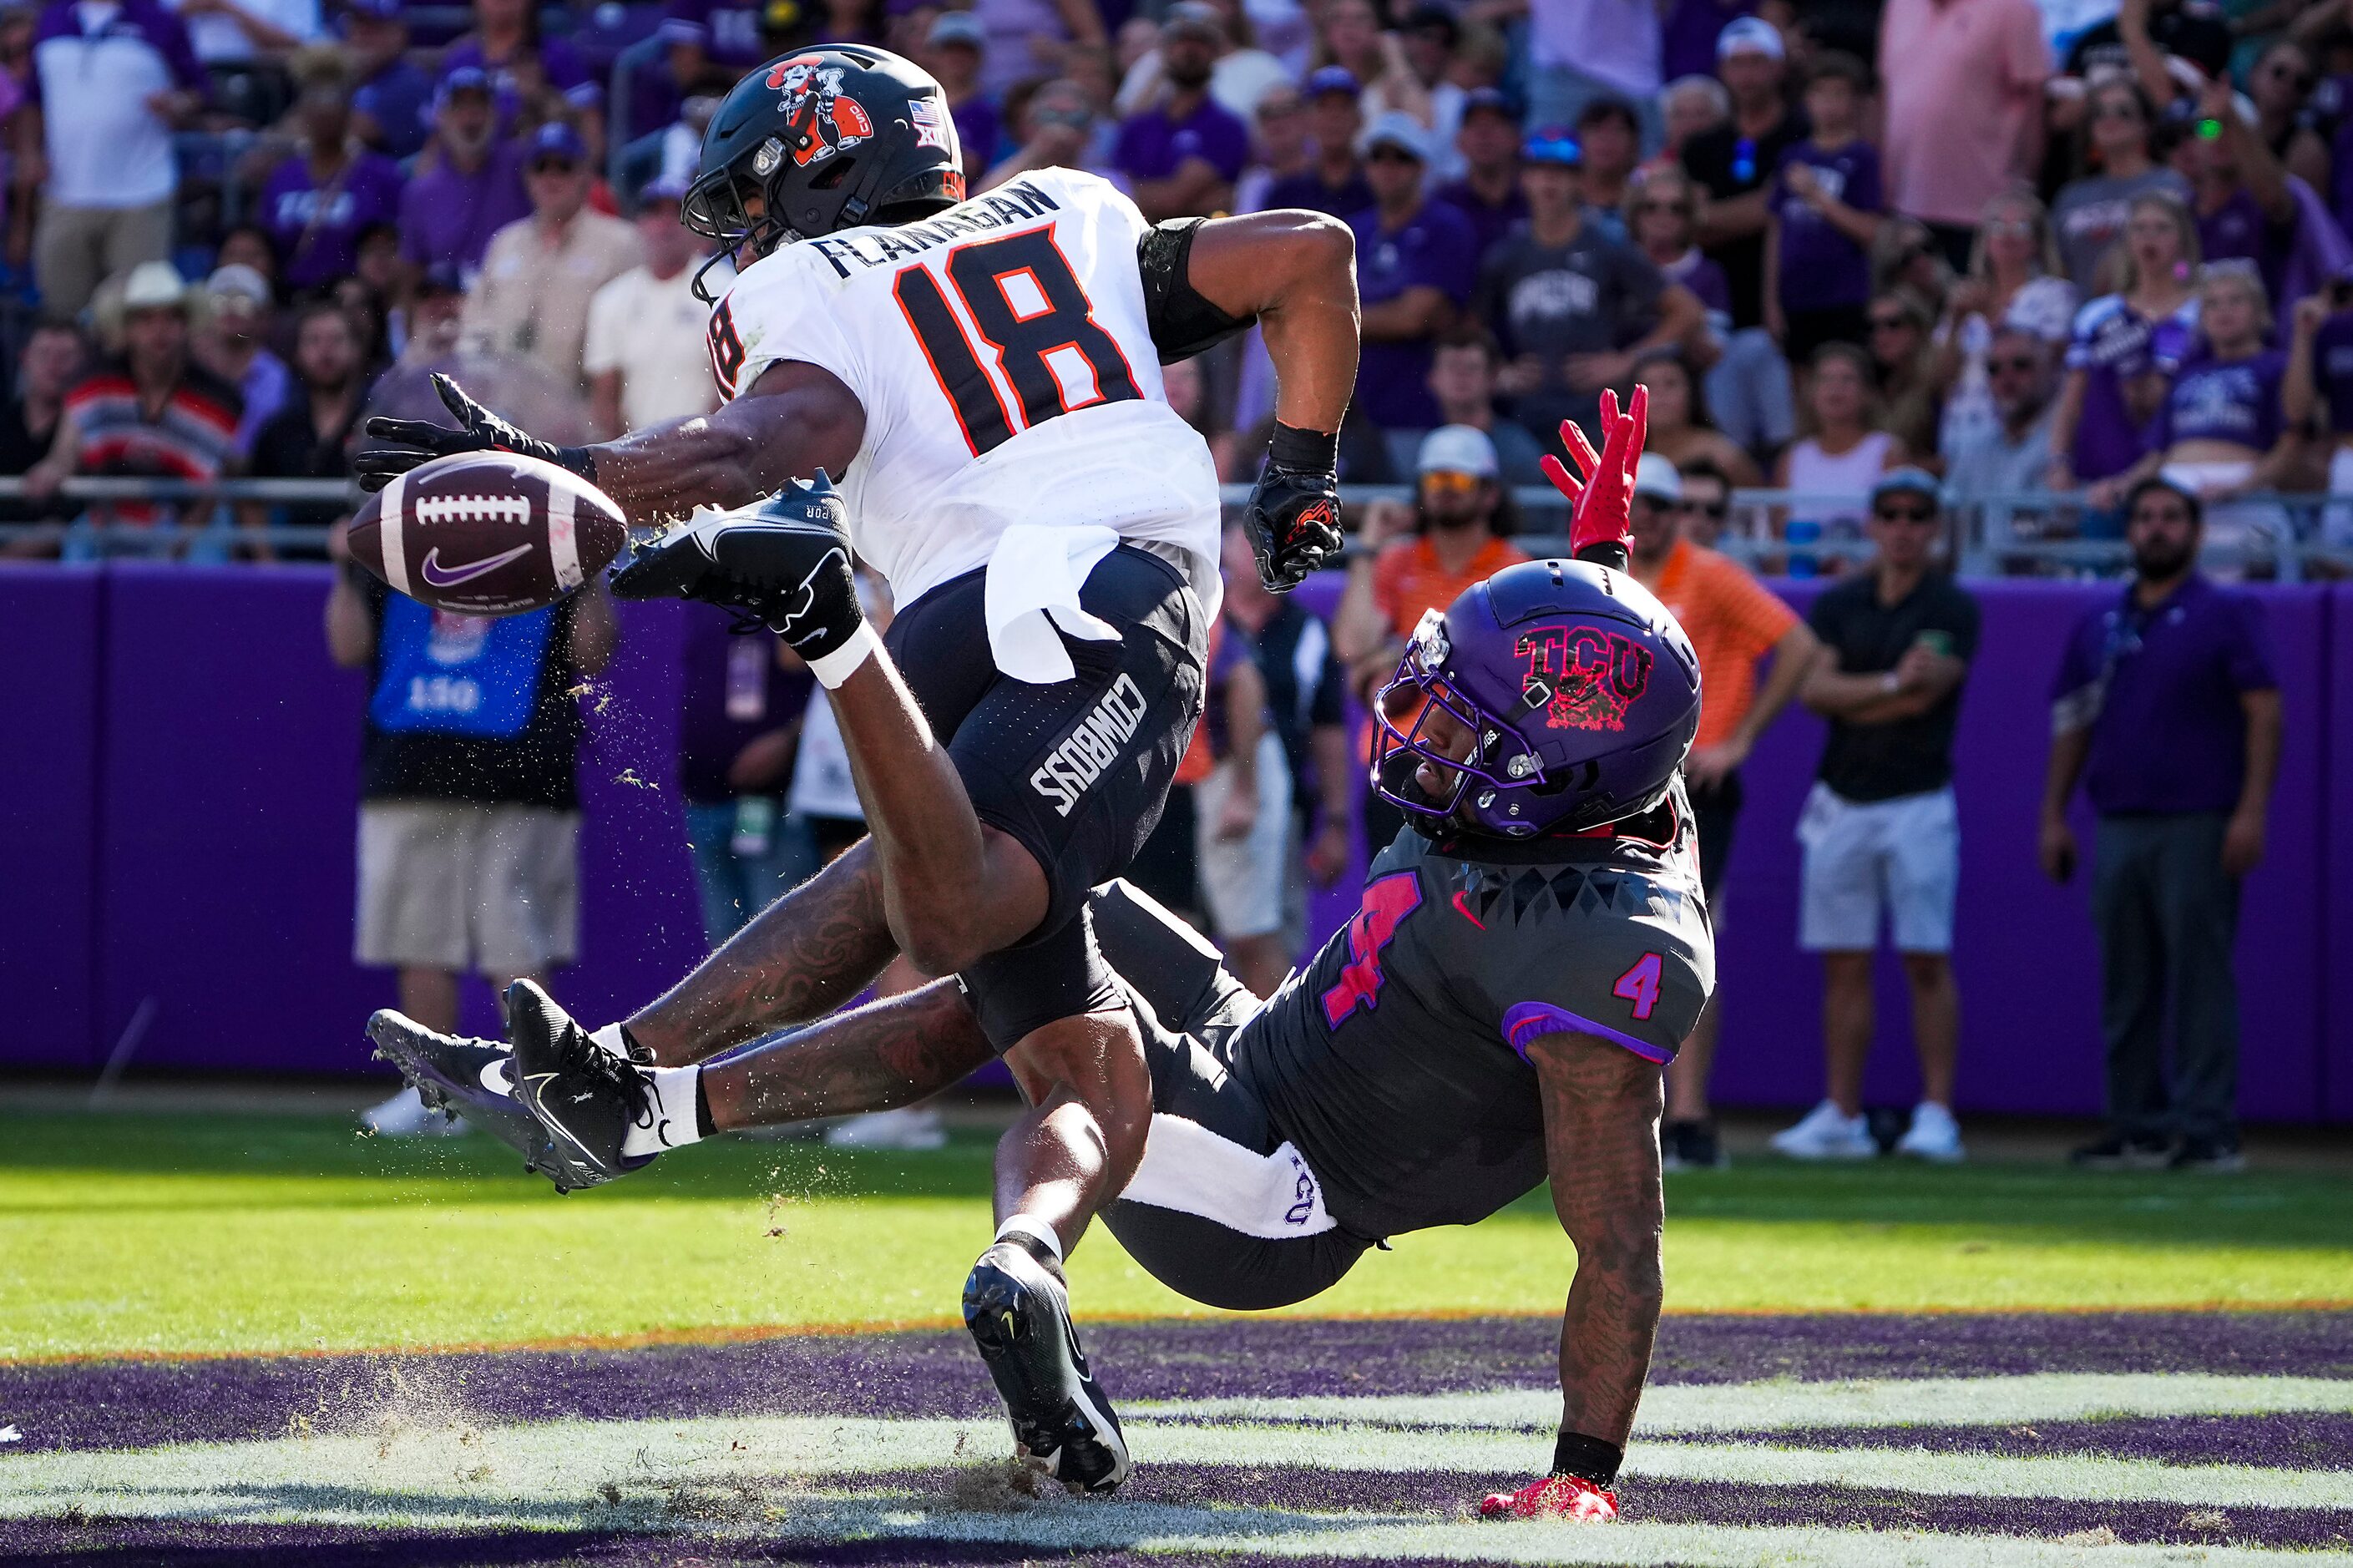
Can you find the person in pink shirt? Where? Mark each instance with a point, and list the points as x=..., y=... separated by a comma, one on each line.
x=1963, y=86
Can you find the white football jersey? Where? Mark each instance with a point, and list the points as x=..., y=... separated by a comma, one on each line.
x=1008, y=376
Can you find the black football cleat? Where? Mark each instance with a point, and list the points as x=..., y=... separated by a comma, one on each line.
x=784, y=563
x=465, y=1079
x=582, y=1096
x=1019, y=1314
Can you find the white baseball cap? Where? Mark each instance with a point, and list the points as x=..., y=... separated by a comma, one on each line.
x=1458, y=449
x=1656, y=478
x=1750, y=34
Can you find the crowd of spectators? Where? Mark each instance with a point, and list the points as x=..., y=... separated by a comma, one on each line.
x=1889, y=260
x=1831, y=242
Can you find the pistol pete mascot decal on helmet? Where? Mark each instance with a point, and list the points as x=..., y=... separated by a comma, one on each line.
x=814, y=102
x=1583, y=678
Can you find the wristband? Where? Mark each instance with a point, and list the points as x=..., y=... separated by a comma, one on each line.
x=1297, y=451
x=579, y=460
x=832, y=668
x=1587, y=1458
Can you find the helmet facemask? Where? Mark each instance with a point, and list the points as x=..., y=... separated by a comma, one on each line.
x=1497, y=759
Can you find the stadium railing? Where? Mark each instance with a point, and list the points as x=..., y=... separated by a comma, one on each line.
x=2029, y=533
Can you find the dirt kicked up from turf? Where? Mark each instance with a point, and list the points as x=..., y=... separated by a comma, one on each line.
x=2112, y=1439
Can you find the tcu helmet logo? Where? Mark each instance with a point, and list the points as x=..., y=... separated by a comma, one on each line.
x=824, y=121
x=1584, y=680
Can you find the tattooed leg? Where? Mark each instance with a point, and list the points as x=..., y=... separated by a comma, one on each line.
x=798, y=959
x=1602, y=1105
x=886, y=1054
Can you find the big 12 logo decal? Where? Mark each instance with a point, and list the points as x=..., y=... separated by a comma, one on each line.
x=1584, y=679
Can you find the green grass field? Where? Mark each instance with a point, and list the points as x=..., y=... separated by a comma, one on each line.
x=187, y=1234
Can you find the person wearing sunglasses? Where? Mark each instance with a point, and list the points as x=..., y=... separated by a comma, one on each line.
x=1734, y=625
x=2281, y=88
x=1416, y=267
x=1881, y=826
x=2013, y=453
x=1574, y=309
x=1706, y=505
x=2090, y=214
x=540, y=272
x=2012, y=282
x=1733, y=162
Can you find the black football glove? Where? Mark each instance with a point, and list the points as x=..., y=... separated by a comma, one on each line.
x=478, y=430
x=784, y=563
x=1294, y=515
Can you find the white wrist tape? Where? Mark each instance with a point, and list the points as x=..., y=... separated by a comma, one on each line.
x=832, y=668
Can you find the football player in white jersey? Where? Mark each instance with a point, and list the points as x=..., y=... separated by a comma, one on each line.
x=982, y=377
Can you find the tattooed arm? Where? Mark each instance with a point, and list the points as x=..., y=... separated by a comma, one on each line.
x=886, y=1054
x=800, y=958
x=1601, y=1106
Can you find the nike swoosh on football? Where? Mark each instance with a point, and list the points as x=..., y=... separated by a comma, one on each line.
x=433, y=572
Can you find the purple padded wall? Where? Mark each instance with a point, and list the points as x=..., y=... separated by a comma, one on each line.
x=49, y=621
x=177, y=795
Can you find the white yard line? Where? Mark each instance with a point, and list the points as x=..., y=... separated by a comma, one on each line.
x=1676, y=1409
x=554, y=1474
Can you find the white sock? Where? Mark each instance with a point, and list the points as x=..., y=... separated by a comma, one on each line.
x=1037, y=1230
x=671, y=1123
x=608, y=1040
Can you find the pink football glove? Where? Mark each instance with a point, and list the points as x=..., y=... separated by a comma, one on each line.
x=1598, y=502
x=1556, y=1497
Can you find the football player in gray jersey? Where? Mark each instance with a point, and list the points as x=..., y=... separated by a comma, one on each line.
x=1528, y=955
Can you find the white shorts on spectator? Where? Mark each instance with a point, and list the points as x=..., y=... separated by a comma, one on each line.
x=462, y=886
x=1903, y=855
x=1246, y=881
x=2254, y=529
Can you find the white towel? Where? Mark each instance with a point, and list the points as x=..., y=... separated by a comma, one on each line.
x=1034, y=577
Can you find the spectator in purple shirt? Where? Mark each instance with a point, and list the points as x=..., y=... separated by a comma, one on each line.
x=1335, y=183
x=2320, y=371
x=2122, y=349
x=2165, y=704
x=2219, y=433
x=1821, y=215
x=392, y=101
x=1182, y=156
x=469, y=187
x=1488, y=193
x=316, y=203
x=536, y=78
x=1662, y=219
x=2242, y=196
x=1417, y=264
x=954, y=51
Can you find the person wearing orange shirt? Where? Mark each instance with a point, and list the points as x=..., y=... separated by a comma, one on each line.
x=1407, y=560
x=1734, y=623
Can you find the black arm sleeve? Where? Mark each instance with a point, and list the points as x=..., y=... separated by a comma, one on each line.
x=1182, y=323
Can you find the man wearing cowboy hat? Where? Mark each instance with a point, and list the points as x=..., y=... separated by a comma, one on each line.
x=148, y=410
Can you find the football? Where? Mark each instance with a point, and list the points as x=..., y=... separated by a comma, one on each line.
x=488, y=533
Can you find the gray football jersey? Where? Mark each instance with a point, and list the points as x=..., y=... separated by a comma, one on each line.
x=1398, y=1062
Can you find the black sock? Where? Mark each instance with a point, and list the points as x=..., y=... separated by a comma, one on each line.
x=1587, y=1458
x=702, y=1123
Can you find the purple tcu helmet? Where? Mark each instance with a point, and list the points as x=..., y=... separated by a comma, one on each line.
x=1581, y=688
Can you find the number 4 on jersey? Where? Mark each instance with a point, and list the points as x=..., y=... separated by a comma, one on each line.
x=1640, y=985
x=1386, y=902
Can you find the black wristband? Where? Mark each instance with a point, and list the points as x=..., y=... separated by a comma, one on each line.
x=1610, y=552
x=579, y=460
x=1296, y=451
x=1587, y=1458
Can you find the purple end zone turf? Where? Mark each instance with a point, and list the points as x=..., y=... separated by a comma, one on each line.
x=97, y=1404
